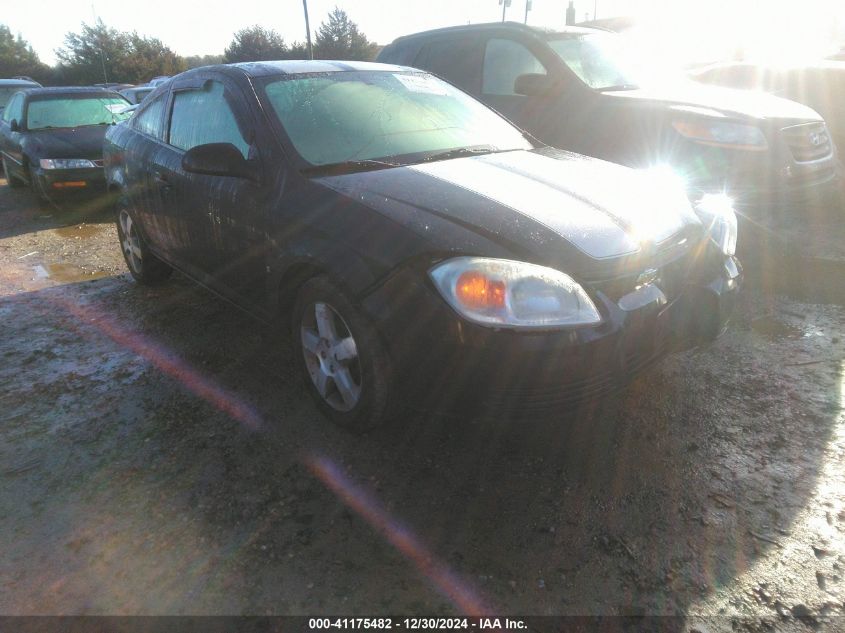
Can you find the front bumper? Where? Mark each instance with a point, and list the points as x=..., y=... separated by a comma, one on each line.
x=444, y=362
x=764, y=185
x=61, y=182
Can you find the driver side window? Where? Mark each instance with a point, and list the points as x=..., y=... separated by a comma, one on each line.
x=504, y=61
x=205, y=116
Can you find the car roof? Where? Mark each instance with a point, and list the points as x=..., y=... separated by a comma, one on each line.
x=296, y=67
x=68, y=90
x=19, y=82
x=497, y=26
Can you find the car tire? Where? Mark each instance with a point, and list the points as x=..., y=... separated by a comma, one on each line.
x=342, y=358
x=35, y=185
x=144, y=267
x=12, y=181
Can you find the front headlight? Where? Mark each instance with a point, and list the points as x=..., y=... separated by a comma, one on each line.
x=722, y=133
x=717, y=213
x=505, y=293
x=65, y=163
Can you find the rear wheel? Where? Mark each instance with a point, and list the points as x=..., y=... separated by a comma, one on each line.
x=341, y=356
x=145, y=267
x=13, y=181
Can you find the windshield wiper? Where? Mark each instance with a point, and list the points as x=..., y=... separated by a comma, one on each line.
x=459, y=152
x=618, y=87
x=348, y=166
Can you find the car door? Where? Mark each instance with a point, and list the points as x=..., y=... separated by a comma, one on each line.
x=224, y=215
x=165, y=223
x=10, y=143
x=144, y=153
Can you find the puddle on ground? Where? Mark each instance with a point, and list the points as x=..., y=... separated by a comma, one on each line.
x=81, y=231
x=66, y=273
x=770, y=327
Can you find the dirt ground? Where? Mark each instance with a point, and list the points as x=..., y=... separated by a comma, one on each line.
x=159, y=456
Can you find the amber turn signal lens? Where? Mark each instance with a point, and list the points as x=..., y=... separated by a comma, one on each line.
x=477, y=291
x=69, y=184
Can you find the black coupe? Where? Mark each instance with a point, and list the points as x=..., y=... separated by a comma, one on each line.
x=411, y=241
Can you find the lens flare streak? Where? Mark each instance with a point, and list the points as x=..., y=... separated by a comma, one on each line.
x=166, y=362
x=397, y=535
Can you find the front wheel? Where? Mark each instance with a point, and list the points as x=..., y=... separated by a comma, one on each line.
x=36, y=186
x=145, y=267
x=12, y=181
x=341, y=356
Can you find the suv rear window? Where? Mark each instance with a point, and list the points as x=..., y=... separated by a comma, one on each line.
x=455, y=60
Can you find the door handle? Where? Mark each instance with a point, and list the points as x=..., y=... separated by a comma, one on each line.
x=162, y=182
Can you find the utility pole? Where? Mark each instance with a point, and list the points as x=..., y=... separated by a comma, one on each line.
x=307, y=30
x=595, y=9
x=505, y=4
x=527, y=9
x=570, y=13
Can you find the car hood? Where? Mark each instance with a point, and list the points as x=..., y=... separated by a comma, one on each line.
x=693, y=96
x=78, y=142
x=547, y=205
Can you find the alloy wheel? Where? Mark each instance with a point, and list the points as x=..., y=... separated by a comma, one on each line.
x=331, y=356
x=131, y=242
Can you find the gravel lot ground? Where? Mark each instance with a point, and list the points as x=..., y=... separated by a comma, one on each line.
x=158, y=456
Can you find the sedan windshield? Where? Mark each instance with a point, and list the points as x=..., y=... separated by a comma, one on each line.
x=75, y=112
x=334, y=118
x=597, y=59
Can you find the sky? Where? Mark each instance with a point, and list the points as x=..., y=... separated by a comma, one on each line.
x=677, y=29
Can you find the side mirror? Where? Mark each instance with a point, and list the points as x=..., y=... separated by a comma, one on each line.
x=218, y=159
x=14, y=126
x=533, y=85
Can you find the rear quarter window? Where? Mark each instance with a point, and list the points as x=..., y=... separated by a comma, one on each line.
x=456, y=60
x=400, y=53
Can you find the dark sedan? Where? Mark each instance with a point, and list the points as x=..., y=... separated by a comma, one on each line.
x=52, y=138
x=411, y=241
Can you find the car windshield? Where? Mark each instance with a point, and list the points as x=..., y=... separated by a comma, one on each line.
x=334, y=118
x=75, y=112
x=598, y=60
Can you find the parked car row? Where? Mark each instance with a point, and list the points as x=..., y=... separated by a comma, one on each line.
x=410, y=240
x=73, y=135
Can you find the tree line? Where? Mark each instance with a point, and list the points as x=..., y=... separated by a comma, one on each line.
x=99, y=53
